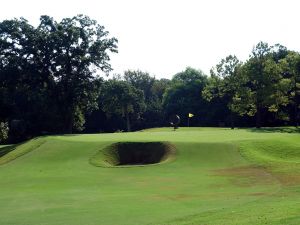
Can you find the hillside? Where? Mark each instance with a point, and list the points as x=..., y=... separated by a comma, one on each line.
x=216, y=176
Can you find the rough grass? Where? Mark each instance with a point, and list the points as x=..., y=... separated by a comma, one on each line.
x=219, y=177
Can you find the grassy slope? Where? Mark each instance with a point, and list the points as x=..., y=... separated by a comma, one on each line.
x=210, y=182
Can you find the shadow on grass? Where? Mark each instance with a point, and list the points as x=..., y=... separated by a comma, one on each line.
x=275, y=129
x=70, y=135
x=7, y=149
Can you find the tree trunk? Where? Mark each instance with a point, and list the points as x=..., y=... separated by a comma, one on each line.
x=296, y=115
x=258, y=118
x=68, y=120
x=232, y=120
x=69, y=124
x=69, y=96
x=128, y=122
x=296, y=106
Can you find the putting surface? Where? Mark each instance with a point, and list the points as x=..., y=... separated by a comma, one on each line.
x=218, y=176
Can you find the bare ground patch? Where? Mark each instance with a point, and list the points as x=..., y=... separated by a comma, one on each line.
x=288, y=179
x=246, y=176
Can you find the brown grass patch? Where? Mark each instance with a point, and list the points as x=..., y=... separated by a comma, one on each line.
x=287, y=179
x=258, y=194
x=175, y=197
x=246, y=176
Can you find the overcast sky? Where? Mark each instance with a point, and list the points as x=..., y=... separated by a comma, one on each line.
x=163, y=37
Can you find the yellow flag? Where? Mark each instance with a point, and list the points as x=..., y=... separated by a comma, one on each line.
x=191, y=115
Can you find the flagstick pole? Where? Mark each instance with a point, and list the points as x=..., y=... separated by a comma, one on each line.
x=188, y=121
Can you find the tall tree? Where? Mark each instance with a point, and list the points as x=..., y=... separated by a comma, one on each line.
x=290, y=66
x=223, y=83
x=48, y=72
x=81, y=44
x=140, y=80
x=119, y=97
x=23, y=90
x=184, y=95
x=153, y=114
x=190, y=75
x=261, y=85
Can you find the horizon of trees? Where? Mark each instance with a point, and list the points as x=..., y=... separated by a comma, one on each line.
x=49, y=84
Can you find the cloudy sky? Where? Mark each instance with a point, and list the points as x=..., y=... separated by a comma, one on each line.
x=163, y=37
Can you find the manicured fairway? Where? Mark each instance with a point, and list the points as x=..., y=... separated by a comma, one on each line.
x=219, y=177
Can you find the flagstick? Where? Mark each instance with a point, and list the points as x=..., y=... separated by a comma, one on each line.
x=188, y=121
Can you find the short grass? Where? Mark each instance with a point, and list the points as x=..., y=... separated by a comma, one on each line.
x=219, y=177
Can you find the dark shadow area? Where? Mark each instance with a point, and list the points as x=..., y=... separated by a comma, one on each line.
x=275, y=129
x=138, y=153
x=71, y=135
x=6, y=149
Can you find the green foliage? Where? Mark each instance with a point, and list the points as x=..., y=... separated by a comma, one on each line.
x=290, y=66
x=223, y=83
x=184, y=94
x=153, y=90
x=81, y=44
x=263, y=86
x=48, y=72
x=79, y=120
x=189, y=75
x=258, y=86
x=140, y=80
x=50, y=81
x=121, y=98
x=3, y=131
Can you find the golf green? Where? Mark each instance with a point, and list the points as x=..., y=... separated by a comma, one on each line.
x=214, y=176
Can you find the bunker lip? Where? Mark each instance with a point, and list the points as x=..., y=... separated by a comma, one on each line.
x=127, y=154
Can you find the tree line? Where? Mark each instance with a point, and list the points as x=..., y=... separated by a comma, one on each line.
x=52, y=81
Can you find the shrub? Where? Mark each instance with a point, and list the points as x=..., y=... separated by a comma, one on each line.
x=3, y=131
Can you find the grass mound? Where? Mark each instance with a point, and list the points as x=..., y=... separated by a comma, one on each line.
x=12, y=152
x=272, y=151
x=134, y=153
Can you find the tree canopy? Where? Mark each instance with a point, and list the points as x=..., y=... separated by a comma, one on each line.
x=49, y=72
x=52, y=80
x=122, y=98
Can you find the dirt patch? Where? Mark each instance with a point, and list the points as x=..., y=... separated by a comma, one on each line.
x=176, y=197
x=289, y=179
x=258, y=194
x=246, y=176
x=250, y=176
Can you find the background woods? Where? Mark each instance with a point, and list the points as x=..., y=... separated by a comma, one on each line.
x=50, y=83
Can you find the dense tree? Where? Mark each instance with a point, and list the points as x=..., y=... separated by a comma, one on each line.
x=50, y=83
x=140, y=80
x=155, y=114
x=223, y=83
x=48, y=73
x=3, y=132
x=23, y=88
x=121, y=98
x=184, y=95
x=190, y=75
x=153, y=92
x=261, y=86
x=290, y=66
x=81, y=44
